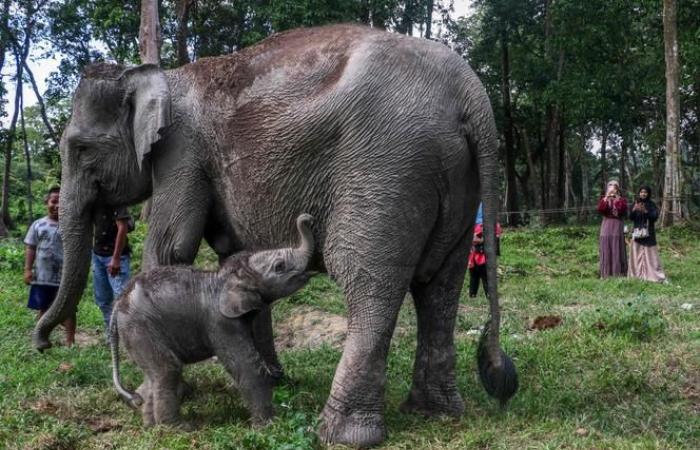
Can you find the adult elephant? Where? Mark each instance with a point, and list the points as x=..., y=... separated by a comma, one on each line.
x=388, y=141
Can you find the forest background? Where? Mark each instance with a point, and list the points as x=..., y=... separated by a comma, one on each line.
x=578, y=88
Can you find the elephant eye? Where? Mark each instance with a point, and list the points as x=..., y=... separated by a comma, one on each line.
x=279, y=266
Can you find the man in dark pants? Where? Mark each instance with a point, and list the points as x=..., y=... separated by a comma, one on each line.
x=477, y=259
x=110, y=258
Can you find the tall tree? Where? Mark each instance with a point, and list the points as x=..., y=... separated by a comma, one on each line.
x=671, y=212
x=149, y=33
x=512, y=190
x=182, y=12
x=20, y=52
x=28, y=161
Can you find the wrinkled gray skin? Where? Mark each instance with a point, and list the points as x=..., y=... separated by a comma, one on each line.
x=172, y=316
x=388, y=141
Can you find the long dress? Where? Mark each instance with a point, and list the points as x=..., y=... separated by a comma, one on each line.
x=612, y=248
x=644, y=254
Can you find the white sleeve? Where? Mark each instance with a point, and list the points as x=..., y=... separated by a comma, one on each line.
x=31, y=238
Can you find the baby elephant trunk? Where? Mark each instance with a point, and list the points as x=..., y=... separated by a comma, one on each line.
x=305, y=250
x=131, y=398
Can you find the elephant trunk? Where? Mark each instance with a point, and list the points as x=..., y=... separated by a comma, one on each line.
x=497, y=371
x=305, y=250
x=75, y=223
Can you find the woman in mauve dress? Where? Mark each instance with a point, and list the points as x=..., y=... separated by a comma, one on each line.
x=644, y=254
x=613, y=254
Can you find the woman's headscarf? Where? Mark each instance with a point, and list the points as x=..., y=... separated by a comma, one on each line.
x=646, y=188
x=614, y=182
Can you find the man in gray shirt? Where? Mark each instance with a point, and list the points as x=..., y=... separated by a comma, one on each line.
x=43, y=261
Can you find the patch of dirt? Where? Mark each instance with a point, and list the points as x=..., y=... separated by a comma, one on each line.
x=64, y=367
x=472, y=308
x=102, y=424
x=545, y=322
x=44, y=406
x=310, y=328
x=49, y=441
x=88, y=338
x=51, y=407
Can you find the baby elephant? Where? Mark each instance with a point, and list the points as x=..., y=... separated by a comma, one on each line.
x=172, y=316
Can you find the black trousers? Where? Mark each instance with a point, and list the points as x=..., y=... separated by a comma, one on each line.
x=476, y=274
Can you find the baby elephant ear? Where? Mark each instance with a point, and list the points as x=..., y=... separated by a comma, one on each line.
x=238, y=301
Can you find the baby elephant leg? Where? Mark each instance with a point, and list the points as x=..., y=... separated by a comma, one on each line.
x=145, y=392
x=254, y=383
x=166, y=405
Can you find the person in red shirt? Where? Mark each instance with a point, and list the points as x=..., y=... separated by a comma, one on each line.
x=477, y=259
x=612, y=248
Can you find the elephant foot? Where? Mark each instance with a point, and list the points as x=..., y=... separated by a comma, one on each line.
x=181, y=425
x=434, y=401
x=277, y=374
x=184, y=391
x=39, y=341
x=360, y=430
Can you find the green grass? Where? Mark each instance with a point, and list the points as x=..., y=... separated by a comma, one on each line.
x=621, y=371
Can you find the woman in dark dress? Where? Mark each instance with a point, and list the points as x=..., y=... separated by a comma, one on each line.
x=613, y=254
x=644, y=254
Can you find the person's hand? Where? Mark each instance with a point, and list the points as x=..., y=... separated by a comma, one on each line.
x=28, y=276
x=114, y=267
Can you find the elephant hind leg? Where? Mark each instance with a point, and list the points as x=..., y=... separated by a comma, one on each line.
x=434, y=389
x=353, y=414
x=146, y=394
x=166, y=404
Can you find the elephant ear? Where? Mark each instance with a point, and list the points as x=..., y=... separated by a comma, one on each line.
x=236, y=301
x=149, y=98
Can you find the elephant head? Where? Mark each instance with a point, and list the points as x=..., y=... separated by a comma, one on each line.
x=267, y=275
x=117, y=116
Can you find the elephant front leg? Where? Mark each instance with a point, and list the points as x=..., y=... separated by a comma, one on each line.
x=176, y=224
x=245, y=365
x=353, y=414
x=265, y=343
x=434, y=389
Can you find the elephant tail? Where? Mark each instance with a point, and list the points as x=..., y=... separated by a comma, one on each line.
x=496, y=369
x=131, y=398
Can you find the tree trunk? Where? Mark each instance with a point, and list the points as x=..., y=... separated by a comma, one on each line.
x=603, y=160
x=568, y=189
x=552, y=127
x=28, y=159
x=624, y=151
x=429, y=18
x=671, y=204
x=42, y=106
x=5, y=18
x=585, y=190
x=182, y=12
x=149, y=46
x=149, y=33
x=513, y=218
x=528, y=175
x=561, y=174
x=19, y=59
x=407, y=18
